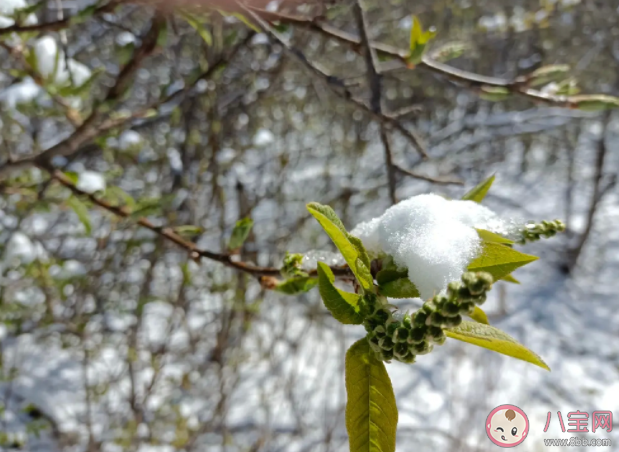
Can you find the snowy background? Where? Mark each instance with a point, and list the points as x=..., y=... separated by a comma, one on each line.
x=116, y=341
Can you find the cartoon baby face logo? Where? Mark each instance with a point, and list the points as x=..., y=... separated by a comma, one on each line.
x=507, y=426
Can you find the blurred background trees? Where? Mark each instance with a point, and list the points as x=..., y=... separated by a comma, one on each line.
x=124, y=129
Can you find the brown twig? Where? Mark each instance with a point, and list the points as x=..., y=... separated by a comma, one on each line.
x=338, y=86
x=168, y=233
x=434, y=180
x=470, y=80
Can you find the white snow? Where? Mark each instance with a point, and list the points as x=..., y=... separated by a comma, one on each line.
x=52, y=64
x=312, y=257
x=263, y=137
x=8, y=8
x=21, y=248
x=90, y=182
x=20, y=93
x=435, y=238
x=128, y=140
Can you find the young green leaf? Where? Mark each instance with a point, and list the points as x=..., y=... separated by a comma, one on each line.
x=478, y=193
x=418, y=41
x=350, y=247
x=206, y=35
x=344, y=306
x=479, y=316
x=371, y=411
x=488, y=236
x=296, y=285
x=395, y=284
x=594, y=102
x=499, y=260
x=240, y=233
x=81, y=211
x=489, y=337
x=511, y=279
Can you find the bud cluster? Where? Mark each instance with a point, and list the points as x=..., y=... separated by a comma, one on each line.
x=534, y=231
x=415, y=334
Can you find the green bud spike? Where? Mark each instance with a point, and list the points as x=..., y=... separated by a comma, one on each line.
x=417, y=335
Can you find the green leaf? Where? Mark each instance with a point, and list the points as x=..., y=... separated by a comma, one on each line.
x=119, y=197
x=350, y=247
x=479, y=316
x=488, y=236
x=548, y=74
x=499, y=260
x=344, y=306
x=162, y=37
x=296, y=285
x=418, y=41
x=292, y=265
x=511, y=279
x=188, y=230
x=81, y=211
x=371, y=411
x=395, y=284
x=124, y=53
x=594, y=102
x=206, y=35
x=240, y=233
x=478, y=193
x=494, y=93
x=72, y=176
x=492, y=338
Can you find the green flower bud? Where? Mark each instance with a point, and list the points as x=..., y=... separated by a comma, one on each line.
x=385, y=343
x=436, y=319
x=400, y=350
x=450, y=309
x=407, y=321
x=452, y=322
x=481, y=299
x=436, y=335
x=417, y=335
x=382, y=315
x=374, y=345
x=380, y=331
x=419, y=318
x=401, y=334
x=453, y=288
x=392, y=327
x=408, y=359
x=387, y=355
x=467, y=307
x=423, y=348
x=429, y=307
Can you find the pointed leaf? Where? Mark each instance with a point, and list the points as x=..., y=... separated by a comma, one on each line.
x=81, y=211
x=296, y=285
x=478, y=193
x=509, y=278
x=416, y=32
x=351, y=248
x=488, y=236
x=499, y=260
x=479, y=316
x=240, y=233
x=492, y=338
x=395, y=284
x=371, y=411
x=344, y=306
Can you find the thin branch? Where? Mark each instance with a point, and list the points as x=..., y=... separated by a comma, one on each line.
x=375, y=83
x=168, y=233
x=337, y=85
x=434, y=180
x=468, y=79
